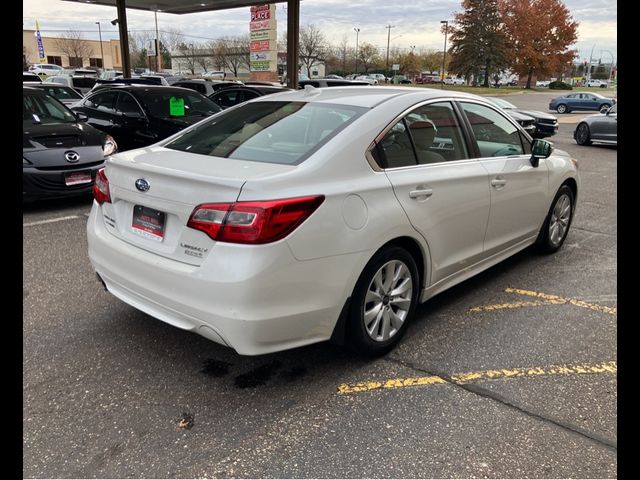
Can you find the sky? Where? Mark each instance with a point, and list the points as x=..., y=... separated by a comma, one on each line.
x=414, y=23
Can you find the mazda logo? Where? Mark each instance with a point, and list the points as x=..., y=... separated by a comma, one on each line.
x=71, y=156
x=142, y=185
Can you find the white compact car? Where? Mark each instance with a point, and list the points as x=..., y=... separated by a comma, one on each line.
x=308, y=215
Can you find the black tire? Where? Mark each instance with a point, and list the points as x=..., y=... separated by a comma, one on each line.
x=562, y=108
x=359, y=337
x=546, y=241
x=604, y=107
x=583, y=135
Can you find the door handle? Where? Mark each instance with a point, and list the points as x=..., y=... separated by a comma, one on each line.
x=498, y=182
x=426, y=192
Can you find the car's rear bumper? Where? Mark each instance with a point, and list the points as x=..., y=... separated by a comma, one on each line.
x=255, y=299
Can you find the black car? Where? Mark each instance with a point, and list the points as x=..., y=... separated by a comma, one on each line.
x=545, y=124
x=65, y=95
x=233, y=95
x=30, y=77
x=140, y=115
x=60, y=153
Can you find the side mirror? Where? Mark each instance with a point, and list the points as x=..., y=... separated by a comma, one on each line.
x=540, y=149
x=82, y=117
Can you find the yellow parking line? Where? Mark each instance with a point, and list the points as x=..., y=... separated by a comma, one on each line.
x=558, y=300
x=500, y=306
x=462, y=378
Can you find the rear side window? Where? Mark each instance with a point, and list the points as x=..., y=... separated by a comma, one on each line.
x=271, y=132
x=395, y=149
x=102, y=101
x=496, y=136
x=228, y=98
x=63, y=93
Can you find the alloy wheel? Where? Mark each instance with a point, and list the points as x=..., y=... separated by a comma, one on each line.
x=560, y=217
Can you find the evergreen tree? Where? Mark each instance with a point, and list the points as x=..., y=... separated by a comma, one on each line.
x=478, y=41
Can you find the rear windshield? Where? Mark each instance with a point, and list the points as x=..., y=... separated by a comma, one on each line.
x=270, y=132
x=177, y=103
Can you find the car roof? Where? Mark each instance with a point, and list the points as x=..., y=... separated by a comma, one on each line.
x=366, y=96
x=146, y=88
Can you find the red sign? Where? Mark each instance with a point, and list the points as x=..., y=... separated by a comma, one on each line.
x=262, y=15
x=259, y=46
x=257, y=8
x=260, y=25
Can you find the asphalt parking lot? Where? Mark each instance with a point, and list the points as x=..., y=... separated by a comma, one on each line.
x=510, y=374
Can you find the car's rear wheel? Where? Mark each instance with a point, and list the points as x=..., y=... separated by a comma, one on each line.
x=562, y=108
x=583, y=136
x=556, y=225
x=604, y=107
x=383, y=301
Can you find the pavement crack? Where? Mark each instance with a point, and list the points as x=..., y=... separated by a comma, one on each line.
x=483, y=392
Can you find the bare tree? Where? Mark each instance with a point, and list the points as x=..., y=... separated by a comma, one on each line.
x=233, y=52
x=187, y=56
x=313, y=47
x=368, y=56
x=74, y=46
x=343, y=51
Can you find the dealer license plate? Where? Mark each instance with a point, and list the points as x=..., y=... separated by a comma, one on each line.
x=148, y=223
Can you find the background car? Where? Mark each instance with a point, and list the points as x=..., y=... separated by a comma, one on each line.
x=581, y=101
x=400, y=79
x=82, y=83
x=331, y=82
x=545, y=124
x=296, y=217
x=379, y=77
x=30, y=77
x=60, y=153
x=236, y=94
x=367, y=79
x=453, y=81
x=543, y=83
x=219, y=75
x=45, y=69
x=597, y=83
x=65, y=95
x=139, y=115
x=334, y=76
x=601, y=128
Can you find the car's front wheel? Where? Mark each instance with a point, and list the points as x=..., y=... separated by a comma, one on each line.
x=562, y=108
x=604, y=108
x=583, y=136
x=556, y=226
x=383, y=301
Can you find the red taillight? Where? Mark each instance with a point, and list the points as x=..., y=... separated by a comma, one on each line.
x=101, y=188
x=253, y=222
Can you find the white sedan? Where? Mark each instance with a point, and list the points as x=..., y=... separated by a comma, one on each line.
x=323, y=213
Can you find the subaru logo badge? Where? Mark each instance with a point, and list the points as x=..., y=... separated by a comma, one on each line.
x=142, y=185
x=71, y=156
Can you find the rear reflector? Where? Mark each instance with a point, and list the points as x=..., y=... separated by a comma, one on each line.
x=253, y=222
x=101, y=188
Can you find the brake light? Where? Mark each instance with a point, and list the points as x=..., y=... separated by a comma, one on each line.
x=101, y=188
x=253, y=222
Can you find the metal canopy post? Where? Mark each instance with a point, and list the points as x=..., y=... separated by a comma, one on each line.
x=293, y=33
x=124, y=38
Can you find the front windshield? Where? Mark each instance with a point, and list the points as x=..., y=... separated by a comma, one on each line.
x=177, y=103
x=271, y=132
x=44, y=109
x=503, y=103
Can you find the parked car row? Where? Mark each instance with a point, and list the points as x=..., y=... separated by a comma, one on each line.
x=542, y=124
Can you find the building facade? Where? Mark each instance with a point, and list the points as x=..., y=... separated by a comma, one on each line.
x=57, y=53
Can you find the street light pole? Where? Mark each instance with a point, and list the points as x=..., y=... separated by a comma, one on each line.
x=101, y=51
x=388, y=27
x=444, y=53
x=357, y=30
x=590, y=60
x=612, y=62
x=158, y=57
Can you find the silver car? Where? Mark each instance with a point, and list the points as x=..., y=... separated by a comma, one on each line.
x=601, y=127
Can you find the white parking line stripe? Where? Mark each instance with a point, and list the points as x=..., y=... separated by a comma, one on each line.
x=51, y=220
